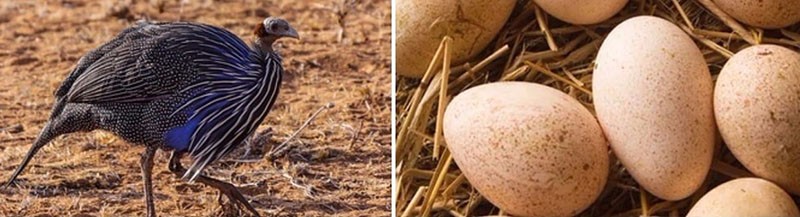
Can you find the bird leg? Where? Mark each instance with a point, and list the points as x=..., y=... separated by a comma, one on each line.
x=225, y=188
x=147, y=171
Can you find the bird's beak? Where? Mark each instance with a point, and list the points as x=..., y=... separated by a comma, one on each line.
x=292, y=34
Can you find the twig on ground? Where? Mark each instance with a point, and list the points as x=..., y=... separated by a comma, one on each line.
x=281, y=149
x=307, y=189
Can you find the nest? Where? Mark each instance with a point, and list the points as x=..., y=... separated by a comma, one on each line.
x=536, y=48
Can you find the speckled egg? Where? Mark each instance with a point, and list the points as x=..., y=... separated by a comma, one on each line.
x=529, y=149
x=769, y=14
x=757, y=106
x=582, y=12
x=653, y=98
x=421, y=25
x=745, y=197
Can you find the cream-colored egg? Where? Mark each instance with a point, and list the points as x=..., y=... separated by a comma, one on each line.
x=582, y=12
x=653, y=98
x=757, y=106
x=529, y=149
x=769, y=14
x=745, y=197
x=421, y=25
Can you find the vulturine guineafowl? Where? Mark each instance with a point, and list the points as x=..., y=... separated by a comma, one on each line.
x=177, y=86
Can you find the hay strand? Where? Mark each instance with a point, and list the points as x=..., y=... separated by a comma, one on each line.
x=532, y=49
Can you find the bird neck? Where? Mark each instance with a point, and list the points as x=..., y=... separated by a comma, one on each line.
x=265, y=43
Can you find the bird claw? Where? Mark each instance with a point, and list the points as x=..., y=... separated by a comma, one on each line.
x=9, y=184
x=242, y=205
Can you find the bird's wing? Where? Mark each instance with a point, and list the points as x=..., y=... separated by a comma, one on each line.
x=136, y=66
x=92, y=57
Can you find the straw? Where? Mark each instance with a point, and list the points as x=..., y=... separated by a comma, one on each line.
x=534, y=47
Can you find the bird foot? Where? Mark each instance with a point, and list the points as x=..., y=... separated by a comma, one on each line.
x=229, y=208
x=9, y=184
x=236, y=205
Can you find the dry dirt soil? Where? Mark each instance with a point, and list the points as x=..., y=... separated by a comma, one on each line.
x=339, y=166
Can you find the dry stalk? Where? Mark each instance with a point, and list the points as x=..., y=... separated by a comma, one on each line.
x=729, y=21
x=542, y=19
x=560, y=55
x=281, y=149
x=412, y=107
x=445, y=75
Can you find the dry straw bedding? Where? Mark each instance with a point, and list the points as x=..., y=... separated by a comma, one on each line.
x=559, y=55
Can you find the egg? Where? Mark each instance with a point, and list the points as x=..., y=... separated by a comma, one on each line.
x=582, y=12
x=529, y=149
x=745, y=197
x=769, y=14
x=757, y=106
x=421, y=25
x=653, y=97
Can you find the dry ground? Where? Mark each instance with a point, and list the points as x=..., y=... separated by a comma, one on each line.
x=341, y=163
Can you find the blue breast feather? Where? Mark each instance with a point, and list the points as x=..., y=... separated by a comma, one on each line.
x=180, y=136
x=224, y=63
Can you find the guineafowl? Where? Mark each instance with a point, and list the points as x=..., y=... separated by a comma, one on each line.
x=177, y=86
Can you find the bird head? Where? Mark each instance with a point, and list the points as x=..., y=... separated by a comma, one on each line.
x=272, y=29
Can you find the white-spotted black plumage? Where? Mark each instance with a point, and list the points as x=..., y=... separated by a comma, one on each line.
x=188, y=87
x=194, y=69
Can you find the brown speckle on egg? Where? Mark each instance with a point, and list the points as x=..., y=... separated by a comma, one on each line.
x=529, y=151
x=769, y=14
x=758, y=110
x=421, y=25
x=582, y=12
x=745, y=197
x=656, y=110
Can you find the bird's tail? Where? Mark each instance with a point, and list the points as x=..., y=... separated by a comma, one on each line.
x=47, y=135
x=196, y=169
x=60, y=123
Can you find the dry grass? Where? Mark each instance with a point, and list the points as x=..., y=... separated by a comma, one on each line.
x=340, y=164
x=536, y=48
